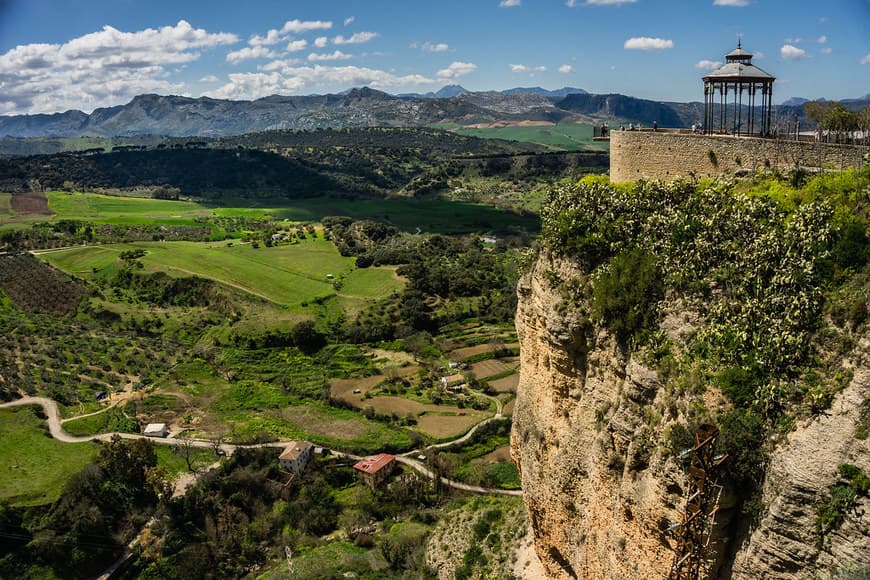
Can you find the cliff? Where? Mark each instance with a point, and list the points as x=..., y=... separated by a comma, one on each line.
x=599, y=411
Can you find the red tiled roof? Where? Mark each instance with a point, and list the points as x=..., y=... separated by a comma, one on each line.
x=375, y=464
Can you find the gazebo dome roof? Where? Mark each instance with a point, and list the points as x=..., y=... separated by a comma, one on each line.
x=738, y=67
x=739, y=71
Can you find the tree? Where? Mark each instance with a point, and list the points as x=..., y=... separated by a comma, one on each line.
x=307, y=338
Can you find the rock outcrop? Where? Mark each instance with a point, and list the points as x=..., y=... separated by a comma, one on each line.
x=589, y=438
x=786, y=543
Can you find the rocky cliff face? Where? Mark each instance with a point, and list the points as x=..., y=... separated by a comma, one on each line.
x=785, y=544
x=601, y=490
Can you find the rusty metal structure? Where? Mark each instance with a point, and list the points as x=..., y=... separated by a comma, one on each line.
x=692, y=534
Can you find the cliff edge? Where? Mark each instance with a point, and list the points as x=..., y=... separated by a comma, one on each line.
x=612, y=387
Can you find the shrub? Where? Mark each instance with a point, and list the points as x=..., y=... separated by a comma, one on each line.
x=626, y=296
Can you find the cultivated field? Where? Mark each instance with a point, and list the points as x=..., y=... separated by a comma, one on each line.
x=570, y=137
x=287, y=275
x=448, y=426
x=34, y=466
x=433, y=216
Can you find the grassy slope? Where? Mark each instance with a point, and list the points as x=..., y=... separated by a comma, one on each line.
x=34, y=466
x=286, y=275
x=570, y=137
x=437, y=216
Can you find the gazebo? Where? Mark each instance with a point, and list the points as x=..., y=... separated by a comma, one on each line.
x=730, y=82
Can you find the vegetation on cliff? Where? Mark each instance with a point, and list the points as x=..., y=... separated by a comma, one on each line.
x=776, y=270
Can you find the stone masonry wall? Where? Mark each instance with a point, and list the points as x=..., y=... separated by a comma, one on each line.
x=667, y=155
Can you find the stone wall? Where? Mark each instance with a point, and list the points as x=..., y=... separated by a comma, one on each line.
x=670, y=154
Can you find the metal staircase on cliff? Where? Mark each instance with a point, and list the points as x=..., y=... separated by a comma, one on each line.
x=692, y=534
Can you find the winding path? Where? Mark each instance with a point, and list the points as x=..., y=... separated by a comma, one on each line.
x=55, y=427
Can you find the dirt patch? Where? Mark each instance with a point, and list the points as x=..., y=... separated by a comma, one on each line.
x=509, y=408
x=396, y=358
x=492, y=367
x=313, y=421
x=507, y=384
x=463, y=353
x=33, y=203
x=344, y=388
x=499, y=455
x=443, y=426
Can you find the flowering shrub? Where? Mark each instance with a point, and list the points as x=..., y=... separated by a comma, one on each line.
x=753, y=266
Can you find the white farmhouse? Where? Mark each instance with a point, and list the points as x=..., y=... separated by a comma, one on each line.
x=156, y=430
x=295, y=456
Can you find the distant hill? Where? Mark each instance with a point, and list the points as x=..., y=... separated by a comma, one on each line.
x=563, y=92
x=444, y=92
x=176, y=116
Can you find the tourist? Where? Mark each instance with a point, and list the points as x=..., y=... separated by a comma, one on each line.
x=694, y=128
x=655, y=126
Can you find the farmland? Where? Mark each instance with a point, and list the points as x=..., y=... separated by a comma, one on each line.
x=567, y=136
x=287, y=275
x=429, y=215
x=34, y=465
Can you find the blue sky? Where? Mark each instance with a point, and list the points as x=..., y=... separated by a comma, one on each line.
x=82, y=54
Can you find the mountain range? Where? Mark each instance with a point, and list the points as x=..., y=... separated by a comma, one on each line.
x=177, y=116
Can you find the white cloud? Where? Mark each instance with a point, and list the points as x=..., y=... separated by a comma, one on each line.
x=797, y=40
x=99, y=69
x=299, y=26
x=758, y=55
x=349, y=20
x=209, y=79
x=249, y=52
x=336, y=55
x=357, y=38
x=865, y=59
x=296, y=45
x=707, y=64
x=509, y=3
x=521, y=68
x=823, y=19
x=789, y=52
x=430, y=46
x=605, y=2
x=646, y=43
x=290, y=80
x=826, y=50
x=737, y=3
x=279, y=64
x=321, y=41
x=272, y=37
x=566, y=69
x=455, y=70
x=822, y=39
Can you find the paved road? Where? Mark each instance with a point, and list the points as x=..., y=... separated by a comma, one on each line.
x=56, y=429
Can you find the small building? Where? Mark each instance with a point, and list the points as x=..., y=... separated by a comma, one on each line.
x=156, y=430
x=100, y=395
x=374, y=470
x=452, y=381
x=295, y=456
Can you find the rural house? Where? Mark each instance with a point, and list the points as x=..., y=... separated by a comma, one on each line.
x=374, y=470
x=295, y=456
x=453, y=382
x=156, y=430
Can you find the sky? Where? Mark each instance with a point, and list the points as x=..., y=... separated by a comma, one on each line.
x=57, y=55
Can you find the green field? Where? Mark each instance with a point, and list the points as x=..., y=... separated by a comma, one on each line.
x=565, y=137
x=287, y=275
x=107, y=209
x=432, y=216
x=34, y=466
